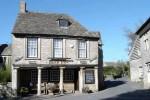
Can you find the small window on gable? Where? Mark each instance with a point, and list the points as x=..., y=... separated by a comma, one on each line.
x=138, y=52
x=146, y=41
x=63, y=23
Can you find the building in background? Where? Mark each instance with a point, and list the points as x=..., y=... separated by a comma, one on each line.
x=139, y=55
x=5, y=55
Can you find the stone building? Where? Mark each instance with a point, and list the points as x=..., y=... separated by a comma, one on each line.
x=5, y=55
x=54, y=48
x=140, y=55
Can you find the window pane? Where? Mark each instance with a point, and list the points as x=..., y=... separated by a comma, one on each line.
x=54, y=75
x=58, y=48
x=146, y=44
x=68, y=75
x=63, y=23
x=34, y=76
x=82, y=50
x=89, y=77
x=32, y=47
x=44, y=75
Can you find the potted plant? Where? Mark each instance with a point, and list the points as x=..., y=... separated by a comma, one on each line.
x=24, y=91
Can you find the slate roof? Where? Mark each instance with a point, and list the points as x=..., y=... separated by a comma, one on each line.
x=46, y=24
x=144, y=28
x=2, y=47
x=133, y=53
x=7, y=51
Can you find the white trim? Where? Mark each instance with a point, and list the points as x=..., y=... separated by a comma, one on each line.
x=64, y=48
x=39, y=81
x=60, y=47
x=51, y=40
x=76, y=48
x=96, y=77
x=25, y=47
x=38, y=49
x=81, y=73
x=61, y=85
x=88, y=49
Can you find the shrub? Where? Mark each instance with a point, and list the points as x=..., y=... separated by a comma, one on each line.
x=116, y=72
x=109, y=70
x=87, y=90
x=23, y=91
x=121, y=68
x=54, y=88
x=5, y=74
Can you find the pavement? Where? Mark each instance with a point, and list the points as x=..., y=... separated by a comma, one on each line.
x=120, y=89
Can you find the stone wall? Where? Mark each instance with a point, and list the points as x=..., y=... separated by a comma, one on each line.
x=145, y=59
x=45, y=51
x=135, y=70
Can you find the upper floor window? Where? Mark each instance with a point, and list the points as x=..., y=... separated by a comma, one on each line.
x=32, y=47
x=82, y=49
x=146, y=44
x=63, y=23
x=58, y=48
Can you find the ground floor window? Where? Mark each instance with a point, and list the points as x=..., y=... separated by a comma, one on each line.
x=44, y=75
x=34, y=75
x=68, y=75
x=89, y=77
x=148, y=67
x=54, y=75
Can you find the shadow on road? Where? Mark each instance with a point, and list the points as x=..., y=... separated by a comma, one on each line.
x=135, y=95
x=113, y=83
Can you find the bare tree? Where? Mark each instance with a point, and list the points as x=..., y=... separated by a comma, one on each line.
x=131, y=36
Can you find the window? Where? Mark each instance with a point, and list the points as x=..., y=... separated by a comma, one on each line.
x=32, y=47
x=148, y=67
x=44, y=75
x=63, y=23
x=82, y=49
x=54, y=75
x=34, y=76
x=138, y=52
x=141, y=72
x=89, y=77
x=68, y=75
x=58, y=48
x=146, y=44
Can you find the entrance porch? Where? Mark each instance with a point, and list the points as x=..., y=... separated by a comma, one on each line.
x=41, y=80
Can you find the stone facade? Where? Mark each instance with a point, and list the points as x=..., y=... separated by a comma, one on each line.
x=139, y=56
x=145, y=59
x=45, y=51
x=136, y=70
x=45, y=59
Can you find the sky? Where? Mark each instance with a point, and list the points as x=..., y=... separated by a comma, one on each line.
x=109, y=17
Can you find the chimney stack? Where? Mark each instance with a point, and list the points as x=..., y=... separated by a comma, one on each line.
x=22, y=6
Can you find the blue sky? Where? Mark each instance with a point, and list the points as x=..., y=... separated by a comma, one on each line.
x=110, y=17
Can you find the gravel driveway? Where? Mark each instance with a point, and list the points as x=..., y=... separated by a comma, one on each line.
x=116, y=90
